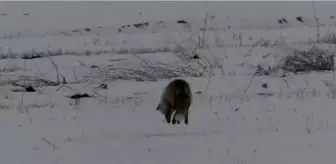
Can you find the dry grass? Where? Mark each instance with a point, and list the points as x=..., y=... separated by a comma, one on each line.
x=314, y=59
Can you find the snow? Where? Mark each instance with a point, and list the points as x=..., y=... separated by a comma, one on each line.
x=231, y=121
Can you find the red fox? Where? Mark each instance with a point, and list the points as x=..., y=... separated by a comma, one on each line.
x=177, y=98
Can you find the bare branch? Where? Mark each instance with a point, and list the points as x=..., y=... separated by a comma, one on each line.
x=48, y=142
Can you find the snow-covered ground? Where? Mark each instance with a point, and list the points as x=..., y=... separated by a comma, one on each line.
x=233, y=119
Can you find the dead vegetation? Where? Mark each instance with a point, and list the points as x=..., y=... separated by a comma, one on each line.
x=34, y=54
x=191, y=65
x=300, y=61
x=148, y=71
x=314, y=59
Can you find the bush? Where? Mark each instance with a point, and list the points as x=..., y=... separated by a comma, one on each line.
x=314, y=59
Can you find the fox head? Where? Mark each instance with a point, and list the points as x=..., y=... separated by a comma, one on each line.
x=162, y=108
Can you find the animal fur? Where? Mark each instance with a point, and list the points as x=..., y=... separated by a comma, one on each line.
x=176, y=98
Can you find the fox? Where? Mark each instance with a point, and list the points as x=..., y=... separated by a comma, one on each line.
x=176, y=99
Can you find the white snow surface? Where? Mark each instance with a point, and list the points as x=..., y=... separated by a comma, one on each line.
x=294, y=123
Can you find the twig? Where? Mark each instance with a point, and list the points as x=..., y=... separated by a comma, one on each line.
x=24, y=83
x=285, y=81
x=103, y=98
x=248, y=87
x=65, y=86
x=56, y=67
x=333, y=68
x=75, y=75
x=317, y=23
x=266, y=55
x=210, y=73
x=144, y=62
x=38, y=69
x=252, y=47
x=204, y=29
x=48, y=142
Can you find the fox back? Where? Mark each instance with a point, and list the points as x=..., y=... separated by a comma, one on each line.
x=176, y=99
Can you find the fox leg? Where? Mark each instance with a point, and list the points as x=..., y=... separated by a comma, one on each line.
x=186, y=114
x=174, y=121
x=168, y=114
x=186, y=118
